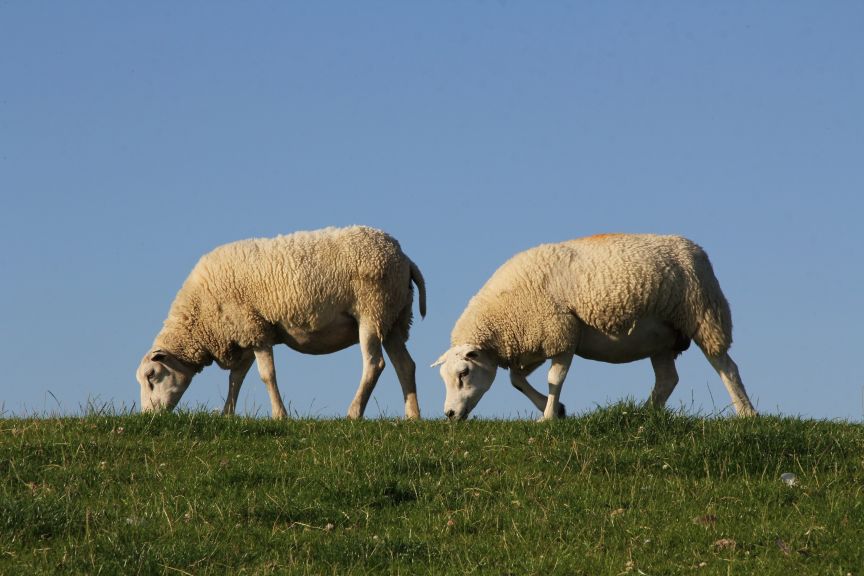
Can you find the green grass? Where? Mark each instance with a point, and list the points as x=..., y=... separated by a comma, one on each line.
x=620, y=490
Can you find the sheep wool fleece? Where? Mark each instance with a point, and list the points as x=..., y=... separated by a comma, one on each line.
x=244, y=294
x=534, y=304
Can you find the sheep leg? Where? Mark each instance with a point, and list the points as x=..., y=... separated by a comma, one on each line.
x=267, y=371
x=405, y=371
x=557, y=374
x=665, y=379
x=235, y=381
x=728, y=371
x=373, y=364
x=519, y=380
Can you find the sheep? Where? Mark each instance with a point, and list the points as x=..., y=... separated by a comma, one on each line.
x=611, y=297
x=318, y=292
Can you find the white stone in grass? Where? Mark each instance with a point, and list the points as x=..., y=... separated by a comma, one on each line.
x=789, y=478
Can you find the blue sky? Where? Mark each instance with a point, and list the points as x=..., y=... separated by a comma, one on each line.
x=134, y=137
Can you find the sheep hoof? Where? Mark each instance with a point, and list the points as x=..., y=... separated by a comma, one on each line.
x=559, y=415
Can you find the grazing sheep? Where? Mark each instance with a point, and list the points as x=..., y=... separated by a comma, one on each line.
x=317, y=292
x=613, y=297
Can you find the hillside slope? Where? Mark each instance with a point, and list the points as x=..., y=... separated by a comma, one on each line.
x=621, y=490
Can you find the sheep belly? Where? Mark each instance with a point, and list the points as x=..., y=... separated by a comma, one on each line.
x=338, y=335
x=649, y=337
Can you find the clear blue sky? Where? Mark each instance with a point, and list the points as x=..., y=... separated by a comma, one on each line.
x=135, y=136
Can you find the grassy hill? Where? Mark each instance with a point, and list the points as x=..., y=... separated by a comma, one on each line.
x=618, y=491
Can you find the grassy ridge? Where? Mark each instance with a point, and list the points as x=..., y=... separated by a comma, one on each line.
x=620, y=490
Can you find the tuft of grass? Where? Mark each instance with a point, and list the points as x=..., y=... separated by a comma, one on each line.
x=616, y=491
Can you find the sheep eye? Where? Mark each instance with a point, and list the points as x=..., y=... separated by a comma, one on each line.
x=462, y=374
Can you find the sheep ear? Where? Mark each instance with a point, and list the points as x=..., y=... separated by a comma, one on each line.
x=440, y=360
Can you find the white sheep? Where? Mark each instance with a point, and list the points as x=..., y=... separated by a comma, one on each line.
x=612, y=297
x=317, y=292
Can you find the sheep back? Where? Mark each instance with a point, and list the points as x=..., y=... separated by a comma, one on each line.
x=534, y=304
x=240, y=295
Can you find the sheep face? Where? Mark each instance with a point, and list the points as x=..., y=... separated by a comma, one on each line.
x=163, y=381
x=468, y=372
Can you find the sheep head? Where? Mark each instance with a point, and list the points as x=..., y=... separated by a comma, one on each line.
x=468, y=372
x=163, y=379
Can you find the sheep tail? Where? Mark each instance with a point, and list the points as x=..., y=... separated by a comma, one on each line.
x=714, y=331
x=713, y=334
x=417, y=278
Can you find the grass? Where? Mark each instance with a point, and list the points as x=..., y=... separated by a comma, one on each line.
x=618, y=491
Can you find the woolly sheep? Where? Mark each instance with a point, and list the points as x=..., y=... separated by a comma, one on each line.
x=317, y=292
x=613, y=297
